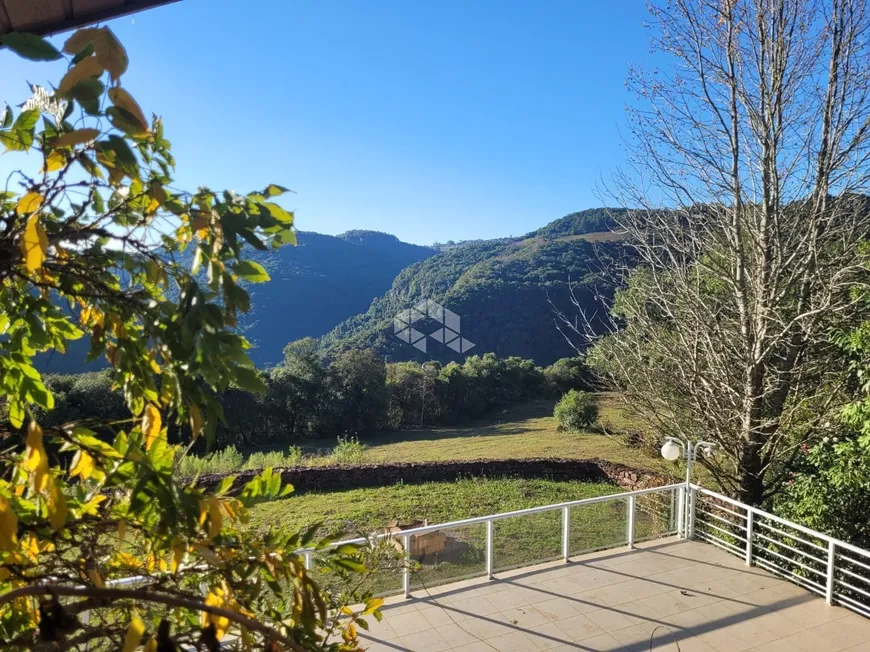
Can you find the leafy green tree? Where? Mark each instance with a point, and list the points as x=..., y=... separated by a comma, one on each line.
x=576, y=411
x=568, y=373
x=828, y=487
x=358, y=388
x=90, y=242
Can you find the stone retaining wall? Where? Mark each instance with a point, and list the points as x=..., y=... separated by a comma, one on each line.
x=339, y=477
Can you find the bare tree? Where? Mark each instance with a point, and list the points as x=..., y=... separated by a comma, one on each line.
x=748, y=157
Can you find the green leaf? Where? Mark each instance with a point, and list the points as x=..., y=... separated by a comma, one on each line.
x=251, y=271
x=224, y=485
x=248, y=379
x=279, y=213
x=273, y=190
x=16, y=414
x=30, y=46
x=26, y=121
x=125, y=159
x=88, y=94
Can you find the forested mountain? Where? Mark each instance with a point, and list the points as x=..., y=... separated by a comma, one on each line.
x=314, y=286
x=499, y=288
x=318, y=283
x=592, y=220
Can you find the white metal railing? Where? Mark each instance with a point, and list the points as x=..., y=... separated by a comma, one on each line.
x=665, y=512
x=834, y=569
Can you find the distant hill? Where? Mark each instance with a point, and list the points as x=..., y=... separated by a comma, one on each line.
x=500, y=289
x=592, y=220
x=314, y=286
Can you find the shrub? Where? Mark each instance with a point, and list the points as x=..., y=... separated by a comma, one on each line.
x=576, y=410
x=274, y=459
x=230, y=460
x=348, y=450
x=227, y=460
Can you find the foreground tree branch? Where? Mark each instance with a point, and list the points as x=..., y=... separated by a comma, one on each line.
x=145, y=595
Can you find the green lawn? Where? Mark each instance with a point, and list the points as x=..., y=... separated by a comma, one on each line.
x=518, y=541
x=527, y=430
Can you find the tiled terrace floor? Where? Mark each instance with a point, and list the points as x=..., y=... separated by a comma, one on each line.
x=663, y=593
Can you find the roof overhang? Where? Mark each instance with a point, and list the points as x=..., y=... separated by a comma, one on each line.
x=52, y=16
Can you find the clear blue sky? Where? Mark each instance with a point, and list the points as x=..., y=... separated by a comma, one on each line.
x=431, y=120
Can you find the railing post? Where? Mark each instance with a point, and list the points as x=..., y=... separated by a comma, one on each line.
x=829, y=588
x=632, y=500
x=566, y=533
x=672, y=515
x=749, y=526
x=489, y=537
x=690, y=517
x=406, y=572
x=681, y=512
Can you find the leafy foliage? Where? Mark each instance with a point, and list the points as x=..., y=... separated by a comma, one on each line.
x=92, y=246
x=313, y=286
x=576, y=410
x=829, y=487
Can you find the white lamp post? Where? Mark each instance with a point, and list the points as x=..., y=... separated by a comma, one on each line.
x=672, y=450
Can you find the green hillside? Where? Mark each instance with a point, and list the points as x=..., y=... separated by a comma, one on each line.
x=500, y=290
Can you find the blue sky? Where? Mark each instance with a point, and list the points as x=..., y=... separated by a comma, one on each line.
x=433, y=121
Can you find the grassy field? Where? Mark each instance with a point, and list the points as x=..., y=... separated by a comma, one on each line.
x=524, y=431
x=518, y=541
x=527, y=430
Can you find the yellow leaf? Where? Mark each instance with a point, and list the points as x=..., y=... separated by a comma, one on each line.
x=195, y=418
x=134, y=634
x=29, y=203
x=112, y=54
x=122, y=532
x=35, y=459
x=78, y=137
x=151, y=645
x=123, y=100
x=179, y=547
x=203, y=511
x=215, y=519
x=82, y=71
x=95, y=577
x=32, y=547
x=83, y=465
x=127, y=560
x=54, y=161
x=81, y=39
x=151, y=424
x=57, y=509
x=107, y=48
x=8, y=525
x=34, y=244
x=221, y=623
x=92, y=506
